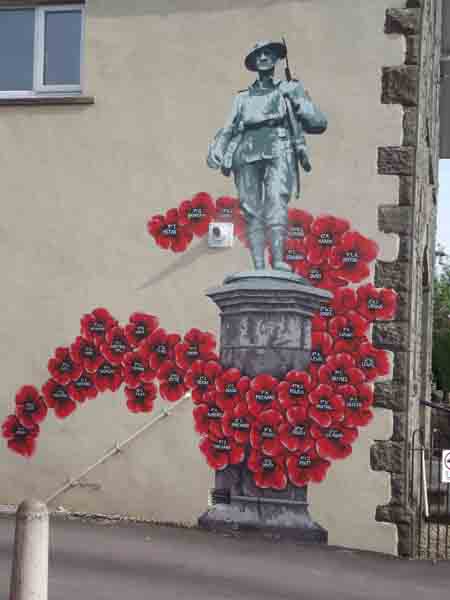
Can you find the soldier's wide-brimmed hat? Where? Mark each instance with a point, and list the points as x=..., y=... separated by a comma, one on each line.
x=278, y=48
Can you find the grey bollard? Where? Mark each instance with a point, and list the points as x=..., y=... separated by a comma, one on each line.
x=29, y=577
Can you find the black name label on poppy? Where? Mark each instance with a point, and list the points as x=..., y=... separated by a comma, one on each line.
x=296, y=232
x=353, y=403
x=346, y=333
x=193, y=351
x=140, y=330
x=334, y=435
x=268, y=433
x=350, y=258
x=317, y=357
x=326, y=311
x=89, y=351
x=222, y=445
x=65, y=366
x=240, y=424
x=137, y=366
x=325, y=239
x=29, y=406
x=267, y=464
x=174, y=379
x=304, y=461
x=202, y=381
x=194, y=214
x=315, y=275
x=225, y=211
x=264, y=397
x=21, y=431
x=97, y=328
x=294, y=256
x=368, y=363
x=339, y=376
x=119, y=346
x=106, y=370
x=374, y=303
x=140, y=393
x=299, y=431
x=324, y=405
x=170, y=230
x=60, y=394
x=297, y=389
x=160, y=349
x=231, y=389
x=83, y=383
x=214, y=413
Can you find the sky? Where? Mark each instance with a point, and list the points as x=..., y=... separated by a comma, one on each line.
x=443, y=233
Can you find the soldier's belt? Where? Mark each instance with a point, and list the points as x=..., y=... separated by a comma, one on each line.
x=269, y=123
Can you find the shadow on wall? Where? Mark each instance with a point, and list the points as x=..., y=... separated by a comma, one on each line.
x=119, y=8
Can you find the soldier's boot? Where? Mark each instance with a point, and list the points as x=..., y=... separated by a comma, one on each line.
x=257, y=242
x=277, y=237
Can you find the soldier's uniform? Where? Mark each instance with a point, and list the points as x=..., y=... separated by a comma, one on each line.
x=258, y=146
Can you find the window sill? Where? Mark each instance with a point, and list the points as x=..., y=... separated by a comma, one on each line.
x=46, y=100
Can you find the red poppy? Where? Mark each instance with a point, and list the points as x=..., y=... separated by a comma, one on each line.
x=168, y=232
x=358, y=400
x=348, y=327
x=321, y=276
x=62, y=368
x=344, y=299
x=172, y=386
x=350, y=258
x=306, y=466
x=108, y=377
x=197, y=214
x=83, y=388
x=321, y=347
x=141, y=398
x=136, y=369
x=201, y=378
x=95, y=325
x=208, y=417
x=322, y=317
x=268, y=471
x=221, y=452
x=196, y=345
x=160, y=347
x=295, y=434
x=115, y=345
x=340, y=369
x=295, y=254
x=30, y=406
x=327, y=406
x=231, y=388
x=227, y=208
x=326, y=231
x=87, y=354
x=294, y=389
x=334, y=442
x=140, y=326
x=264, y=434
x=372, y=361
x=263, y=394
x=21, y=440
x=350, y=346
x=58, y=397
x=376, y=304
x=299, y=223
x=236, y=423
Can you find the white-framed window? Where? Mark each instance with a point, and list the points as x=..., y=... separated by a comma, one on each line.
x=41, y=50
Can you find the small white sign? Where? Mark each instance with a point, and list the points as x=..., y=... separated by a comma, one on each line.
x=445, y=470
x=220, y=235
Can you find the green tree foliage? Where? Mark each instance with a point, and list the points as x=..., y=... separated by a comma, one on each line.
x=441, y=328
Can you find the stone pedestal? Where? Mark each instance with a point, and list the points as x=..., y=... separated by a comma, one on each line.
x=265, y=328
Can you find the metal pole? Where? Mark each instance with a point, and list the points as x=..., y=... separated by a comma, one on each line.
x=29, y=577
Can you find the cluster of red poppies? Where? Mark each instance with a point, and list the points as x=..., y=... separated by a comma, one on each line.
x=104, y=357
x=176, y=229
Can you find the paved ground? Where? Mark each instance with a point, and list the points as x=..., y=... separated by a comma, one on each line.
x=131, y=562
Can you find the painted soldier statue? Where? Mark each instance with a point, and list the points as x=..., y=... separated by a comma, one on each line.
x=263, y=143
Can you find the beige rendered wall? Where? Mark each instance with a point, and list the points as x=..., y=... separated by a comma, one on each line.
x=79, y=183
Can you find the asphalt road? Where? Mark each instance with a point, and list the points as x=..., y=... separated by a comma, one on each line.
x=131, y=562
